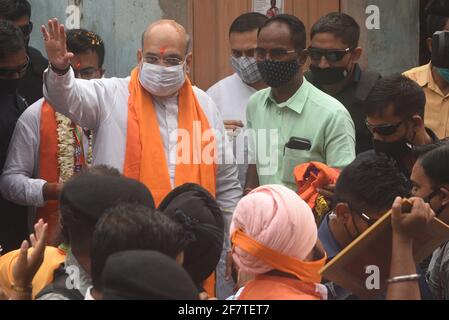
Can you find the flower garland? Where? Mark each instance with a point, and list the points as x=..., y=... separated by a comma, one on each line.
x=66, y=148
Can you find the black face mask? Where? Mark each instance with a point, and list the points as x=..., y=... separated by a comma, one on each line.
x=9, y=86
x=397, y=150
x=329, y=76
x=277, y=73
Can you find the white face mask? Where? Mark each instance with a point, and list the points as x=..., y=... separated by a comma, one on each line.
x=162, y=81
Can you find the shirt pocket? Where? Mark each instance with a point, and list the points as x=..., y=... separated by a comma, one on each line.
x=291, y=160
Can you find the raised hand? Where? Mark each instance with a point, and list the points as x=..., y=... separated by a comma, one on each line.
x=56, y=44
x=27, y=265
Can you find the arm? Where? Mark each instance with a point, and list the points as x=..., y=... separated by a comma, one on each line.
x=252, y=177
x=16, y=182
x=79, y=100
x=339, y=140
x=405, y=227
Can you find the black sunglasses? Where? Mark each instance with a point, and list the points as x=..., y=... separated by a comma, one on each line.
x=27, y=29
x=384, y=129
x=8, y=73
x=331, y=55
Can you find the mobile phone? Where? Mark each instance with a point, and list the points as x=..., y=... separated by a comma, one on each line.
x=298, y=144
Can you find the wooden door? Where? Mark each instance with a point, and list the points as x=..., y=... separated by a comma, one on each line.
x=209, y=24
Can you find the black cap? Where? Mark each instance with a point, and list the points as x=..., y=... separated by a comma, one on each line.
x=146, y=275
x=90, y=195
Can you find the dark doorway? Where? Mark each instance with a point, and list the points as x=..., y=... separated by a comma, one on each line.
x=424, y=54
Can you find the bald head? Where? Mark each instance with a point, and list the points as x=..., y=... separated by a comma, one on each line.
x=166, y=33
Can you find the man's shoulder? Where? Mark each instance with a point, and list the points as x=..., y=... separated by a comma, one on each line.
x=32, y=113
x=39, y=62
x=418, y=72
x=323, y=102
x=223, y=83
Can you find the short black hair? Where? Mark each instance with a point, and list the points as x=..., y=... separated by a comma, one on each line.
x=435, y=23
x=341, y=25
x=82, y=41
x=296, y=26
x=134, y=227
x=11, y=39
x=407, y=97
x=435, y=165
x=248, y=22
x=13, y=10
x=372, y=181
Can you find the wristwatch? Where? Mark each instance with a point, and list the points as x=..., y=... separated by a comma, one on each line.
x=60, y=72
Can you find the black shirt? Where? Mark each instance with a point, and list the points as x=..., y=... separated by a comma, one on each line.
x=13, y=218
x=31, y=85
x=352, y=97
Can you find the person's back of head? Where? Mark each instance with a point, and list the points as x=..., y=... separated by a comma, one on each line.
x=371, y=182
x=341, y=26
x=146, y=275
x=278, y=219
x=405, y=95
x=135, y=227
x=14, y=10
x=198, y=212
x=86, y=197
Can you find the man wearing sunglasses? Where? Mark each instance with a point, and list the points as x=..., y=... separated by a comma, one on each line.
x=310, y=125
x=435, y=81
x=31, y=176
x=13, y=62
x=334, y=54
x=395, y=116
x=19, y=13
x=365, y=191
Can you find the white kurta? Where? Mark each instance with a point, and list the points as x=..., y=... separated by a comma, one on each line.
x=231, y=96
x=20, y=181
x=102, y=105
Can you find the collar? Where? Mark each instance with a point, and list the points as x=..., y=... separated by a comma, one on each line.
x=88, y=295
x=432, y=135
x=425, y=79
x=331, y=246
x=296, y=102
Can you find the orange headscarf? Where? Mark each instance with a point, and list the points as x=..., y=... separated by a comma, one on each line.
x=145, y=157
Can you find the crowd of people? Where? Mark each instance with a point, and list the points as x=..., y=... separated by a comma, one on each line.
x=149, y=188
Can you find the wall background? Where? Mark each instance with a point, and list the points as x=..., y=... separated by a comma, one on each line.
x=393, y=48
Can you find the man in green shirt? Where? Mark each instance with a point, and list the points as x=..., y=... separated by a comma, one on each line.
x=292, y=122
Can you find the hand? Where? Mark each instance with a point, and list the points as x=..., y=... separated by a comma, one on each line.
x=52, y=191
x=56, y=44
x=232, y=125
x=408, y=225
x=27, y=265
x=327, y=191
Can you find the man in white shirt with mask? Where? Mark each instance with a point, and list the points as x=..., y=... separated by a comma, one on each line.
x=140, y=122
x=232, y=93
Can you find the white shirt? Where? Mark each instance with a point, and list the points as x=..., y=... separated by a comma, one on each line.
x=231, y=96
x=88, y=296
x=102, y=105
x=20, y=181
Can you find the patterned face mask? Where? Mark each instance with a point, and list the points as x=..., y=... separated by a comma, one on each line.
x=277, y=73
x=246, y=69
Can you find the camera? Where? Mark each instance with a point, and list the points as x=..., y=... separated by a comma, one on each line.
x=440, y=49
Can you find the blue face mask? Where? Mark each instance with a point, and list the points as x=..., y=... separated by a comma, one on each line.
x=444, y=73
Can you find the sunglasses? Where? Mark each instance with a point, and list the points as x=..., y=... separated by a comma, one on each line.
x=27, y=29
x=332, y=55
x=384, y=129
x=8, y=73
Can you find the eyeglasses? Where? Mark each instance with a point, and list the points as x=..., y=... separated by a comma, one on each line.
x=275, y=54
x=368, y=220
x=331, y=55
x=27, y=29
x=240, y=53
x=384, y=129
x=9, y=73
x=169, y=61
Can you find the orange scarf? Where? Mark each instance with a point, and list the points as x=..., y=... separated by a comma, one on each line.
x=145, y=156
x=48, y=163
x=303, y=270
